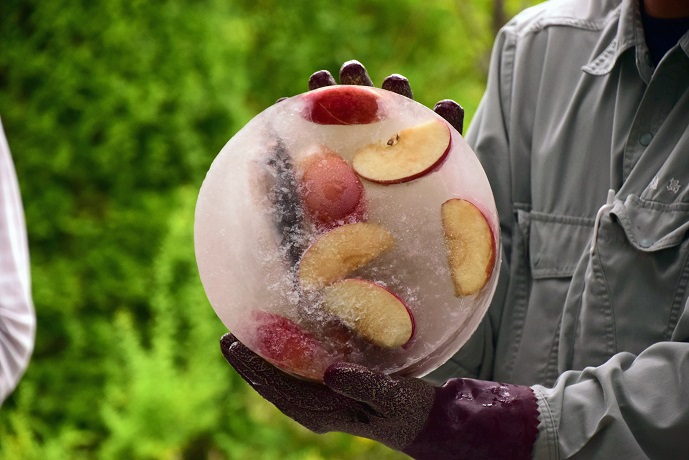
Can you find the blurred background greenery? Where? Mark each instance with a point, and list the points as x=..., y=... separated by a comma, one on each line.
x=114, y=111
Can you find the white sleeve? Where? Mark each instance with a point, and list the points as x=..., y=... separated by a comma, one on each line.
x=17, y=316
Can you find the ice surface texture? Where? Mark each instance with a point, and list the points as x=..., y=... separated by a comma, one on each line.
x=319, y=234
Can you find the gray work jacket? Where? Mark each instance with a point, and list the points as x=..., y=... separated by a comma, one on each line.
x=591, y=309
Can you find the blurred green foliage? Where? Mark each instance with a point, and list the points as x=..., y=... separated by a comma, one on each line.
x=114, y=111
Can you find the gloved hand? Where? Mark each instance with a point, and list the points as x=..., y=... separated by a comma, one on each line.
x=354, y=73
x=463, y=419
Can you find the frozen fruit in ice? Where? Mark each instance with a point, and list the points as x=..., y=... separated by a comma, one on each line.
x=371, y=310
x=470, y=245
x=287, y=218
x=342, y=105
x=342, y=250
x=288, y=346
x=408, y=155
x=330, y=189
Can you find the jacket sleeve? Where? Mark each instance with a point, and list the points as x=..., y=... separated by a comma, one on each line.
x=17, y=317
x=629, y=407
x=488, y=136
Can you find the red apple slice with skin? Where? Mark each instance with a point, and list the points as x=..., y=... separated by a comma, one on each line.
x=370, y=310
x=470, y=244
x=342, y=105
x=288, y=346
x=411, y=153
x=330, y=190
x=340, y=251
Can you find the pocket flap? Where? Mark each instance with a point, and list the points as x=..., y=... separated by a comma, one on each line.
x=556, y=244
x=650, y=225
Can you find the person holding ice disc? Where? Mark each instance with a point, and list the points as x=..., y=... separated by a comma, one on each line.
x=583, y=134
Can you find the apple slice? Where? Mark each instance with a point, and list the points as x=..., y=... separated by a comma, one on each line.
x=289, y=347
x=340, y=251
x=408, y=155
x=342, y=105
x=330, y=190
x=470, y=245
x=372, y=311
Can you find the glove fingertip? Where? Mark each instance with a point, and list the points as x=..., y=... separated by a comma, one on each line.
x=321, y=79
x=227, y=340
x=353, y=72
x=235, y=352
x=398, y=84
x=452, y=112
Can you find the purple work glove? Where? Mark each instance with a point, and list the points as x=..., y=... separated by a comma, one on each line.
x=354, y=73
x=463, y=419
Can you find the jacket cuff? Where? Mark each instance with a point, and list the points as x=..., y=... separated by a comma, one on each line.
x=478, y=419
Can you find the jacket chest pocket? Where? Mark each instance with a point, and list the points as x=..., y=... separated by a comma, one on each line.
x=550, y=246
x=635, y=281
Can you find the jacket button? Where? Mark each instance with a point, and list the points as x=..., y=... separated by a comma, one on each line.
x=645, y=139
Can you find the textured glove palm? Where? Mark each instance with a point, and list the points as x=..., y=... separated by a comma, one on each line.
x=394, y=415
x=464, y=418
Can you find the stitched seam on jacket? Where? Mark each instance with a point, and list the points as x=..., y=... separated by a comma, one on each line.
x=550, y=373
x=550, y=428
x=520, y=301
x=563, y=219
x=569, y=359
x=678, y=299
x=606, y=305
x=564, y=21
x=507, y=79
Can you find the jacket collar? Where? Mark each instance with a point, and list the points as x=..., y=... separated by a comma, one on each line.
x=626, y=30
x=626, y=19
